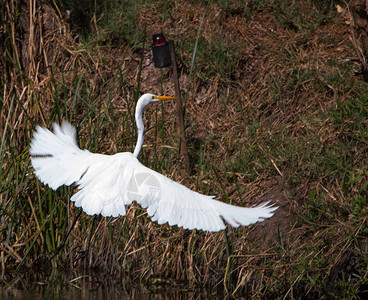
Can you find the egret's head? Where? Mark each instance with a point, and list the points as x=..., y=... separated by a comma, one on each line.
x=150, y=98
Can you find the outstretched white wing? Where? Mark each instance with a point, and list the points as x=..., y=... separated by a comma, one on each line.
x=58, y=161
x=108, y=183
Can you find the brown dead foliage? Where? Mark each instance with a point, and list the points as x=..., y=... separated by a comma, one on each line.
x=43, y=46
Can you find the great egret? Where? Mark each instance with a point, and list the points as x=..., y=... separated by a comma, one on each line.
x=109, y=183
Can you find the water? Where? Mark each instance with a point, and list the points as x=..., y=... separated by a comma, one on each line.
x=33, y=285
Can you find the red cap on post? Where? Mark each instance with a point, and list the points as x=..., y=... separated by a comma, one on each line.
x=158, y=39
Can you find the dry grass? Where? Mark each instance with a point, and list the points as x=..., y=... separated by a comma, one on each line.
x=284, y=123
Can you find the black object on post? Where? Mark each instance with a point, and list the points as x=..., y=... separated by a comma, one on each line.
x=161, y=51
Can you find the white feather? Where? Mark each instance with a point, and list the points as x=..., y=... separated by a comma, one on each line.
x=107, y=183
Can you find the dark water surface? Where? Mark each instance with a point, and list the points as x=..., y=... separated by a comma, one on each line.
x=31, y=285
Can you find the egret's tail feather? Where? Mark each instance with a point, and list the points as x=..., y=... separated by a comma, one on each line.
x=56, y=157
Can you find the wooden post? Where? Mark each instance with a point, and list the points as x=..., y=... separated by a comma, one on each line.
x=180, y=121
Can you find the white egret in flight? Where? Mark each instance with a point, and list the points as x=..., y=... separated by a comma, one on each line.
x=109, y=183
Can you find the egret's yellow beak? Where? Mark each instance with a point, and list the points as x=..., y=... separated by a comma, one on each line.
x=164, y=98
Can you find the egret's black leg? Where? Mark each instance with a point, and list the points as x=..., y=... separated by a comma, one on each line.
x=62, y=244
x=84, y=253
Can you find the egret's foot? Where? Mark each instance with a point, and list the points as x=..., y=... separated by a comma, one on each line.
x=82, y=254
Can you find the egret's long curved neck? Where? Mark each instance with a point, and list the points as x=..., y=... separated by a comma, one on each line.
x=140, y=127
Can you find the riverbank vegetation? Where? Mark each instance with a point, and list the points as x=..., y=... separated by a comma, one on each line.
x=275, y=109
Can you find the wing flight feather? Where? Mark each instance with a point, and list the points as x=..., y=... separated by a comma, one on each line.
x=107, y=183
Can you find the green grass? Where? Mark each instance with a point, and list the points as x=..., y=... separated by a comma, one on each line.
x=296, y=115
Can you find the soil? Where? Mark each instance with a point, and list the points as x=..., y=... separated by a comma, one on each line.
x=205, y=113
